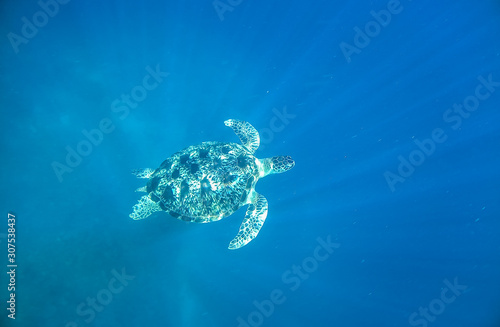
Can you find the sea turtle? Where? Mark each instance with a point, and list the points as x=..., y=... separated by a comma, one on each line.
x=210, y=181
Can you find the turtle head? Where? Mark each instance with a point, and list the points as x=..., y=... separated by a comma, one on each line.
x=276, y=165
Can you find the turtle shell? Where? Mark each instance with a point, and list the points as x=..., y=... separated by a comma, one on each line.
x=204, y=182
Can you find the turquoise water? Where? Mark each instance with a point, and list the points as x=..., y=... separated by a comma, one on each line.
x=390, y=110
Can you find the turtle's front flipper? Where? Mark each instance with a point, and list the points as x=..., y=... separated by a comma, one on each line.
x=254, y=219
x=248, y=135
x=144, y=208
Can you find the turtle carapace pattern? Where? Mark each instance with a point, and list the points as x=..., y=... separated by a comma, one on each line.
x=210, y=181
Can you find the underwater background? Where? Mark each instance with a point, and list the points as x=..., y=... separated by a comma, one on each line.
x=390, y=109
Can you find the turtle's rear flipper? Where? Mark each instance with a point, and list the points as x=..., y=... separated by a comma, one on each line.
x=144, y=208
x=254, y=219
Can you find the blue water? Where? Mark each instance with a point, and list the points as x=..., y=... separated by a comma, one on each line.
x=391, y=216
